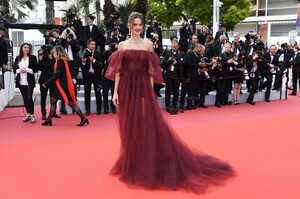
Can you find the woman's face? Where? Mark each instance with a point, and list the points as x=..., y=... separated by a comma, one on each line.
x=136, y=27
x=25, y=49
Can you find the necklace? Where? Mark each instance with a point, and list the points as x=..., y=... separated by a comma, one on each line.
x=135, y=41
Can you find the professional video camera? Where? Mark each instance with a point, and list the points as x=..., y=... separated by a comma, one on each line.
x=86, y=53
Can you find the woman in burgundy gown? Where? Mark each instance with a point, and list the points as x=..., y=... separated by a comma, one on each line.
x=152, y=155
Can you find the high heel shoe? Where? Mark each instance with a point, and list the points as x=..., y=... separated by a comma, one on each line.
x=47, y=122
x=84, y=121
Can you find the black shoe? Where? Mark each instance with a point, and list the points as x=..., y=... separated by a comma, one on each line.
x=252, y=103
x=114, y=111
x=98, y=112
x=63, y=111
x=105, y=111
x=56, y=116
x=84, y=121
x=87, y=113
x=273, y=89
x=203, y=106
x=268, y=100
x=218, y=105
x=47, y=122
x=44, y=117
x=181, y=109
x=168, y=109
x=229, y=103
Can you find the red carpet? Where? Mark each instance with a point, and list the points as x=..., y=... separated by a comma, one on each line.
x=69, y=162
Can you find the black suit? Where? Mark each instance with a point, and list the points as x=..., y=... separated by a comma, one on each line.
x=92, y=75
x=227, y=72
x=173, y=74
x=296, y=72
x=151, y=30
x=46, y=68
x=267, y=60
x=27, y=90
x=3, y=52
x=254, y=77
x=95, y=34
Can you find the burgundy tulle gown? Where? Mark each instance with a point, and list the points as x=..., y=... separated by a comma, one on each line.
x=152, y=155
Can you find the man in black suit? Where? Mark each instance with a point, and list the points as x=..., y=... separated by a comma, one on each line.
x=296, y=69
x=154, y=28
x=173, y=69
x=270, y=65
x=222, y=31
x=192, y=64
x=3, y=49
x=91, y=31
x=91, y=70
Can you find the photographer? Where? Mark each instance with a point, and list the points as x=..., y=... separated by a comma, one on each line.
x=237, y=44
x=173, y=69
x=192, y=64
x=54, y=37
x=270, y=66
x=254, y=65
x=114, y=36
x=222, y=31
x=240, y=73
x=215, y=73
x=45, y=65
x=154, y=29
x=3, y=50
x=185, y=34
x=75, y=25
x=91, y=31
x=296, y=69
x=157, y=47
x=107, y=83
x=91, y=70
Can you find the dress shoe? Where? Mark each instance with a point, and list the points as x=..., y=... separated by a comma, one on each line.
x=229, y=103
x=26, y=118
x=292, y=94
x=218, y=105
x=105, y=111
x=268, y=100
x=47, y=123
x=87, y=113
x=203, y=106
x=168, y=109
x=181, y=109
x=44, y=117
x=56, y=116
x=114, y=111
x=83, y=122
x=63, y=111
x=251, y=103
x=98, y=112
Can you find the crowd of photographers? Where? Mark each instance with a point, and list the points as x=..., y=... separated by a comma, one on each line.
x=192, y=66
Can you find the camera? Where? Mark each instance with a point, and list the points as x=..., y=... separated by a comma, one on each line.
x=153, y=39
x=246, y=75
x=173, y=111
x=171, y=60
x=45, y=51
x=86, y=53
x=235, y=63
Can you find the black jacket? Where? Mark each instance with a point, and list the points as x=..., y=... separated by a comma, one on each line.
x=3, y=52
x=178, y=68
x=97, y=66
x=46, y=68
x=191, y=67
x=30, y=77
x=296, y=63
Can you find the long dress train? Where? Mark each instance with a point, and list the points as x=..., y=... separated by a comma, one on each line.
x=152, y=155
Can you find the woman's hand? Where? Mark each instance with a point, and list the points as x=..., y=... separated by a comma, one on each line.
x=115, y=99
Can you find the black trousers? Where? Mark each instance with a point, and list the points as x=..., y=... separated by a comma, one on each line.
x=278, y=78
x=172, y=86
x=27, y=93
x=202, y=89
x=253, y=89
x=267, y=83
x=189, y=87
x=226, y=86
x=88, y=81
x=296, y=78
x=44, y=92
x=108, y=85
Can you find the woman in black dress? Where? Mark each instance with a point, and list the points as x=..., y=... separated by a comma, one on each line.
x=64, y=86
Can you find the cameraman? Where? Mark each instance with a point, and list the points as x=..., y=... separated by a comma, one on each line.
x=45, y=64
x=173, y=67
x=75, y=25
x=157, y=46
x=254, y=66
x=154, y=29
x=54, y=38
x=269, y=68
x=107, y=83
x=91, y=70
x=3, y=50
x=185, y=33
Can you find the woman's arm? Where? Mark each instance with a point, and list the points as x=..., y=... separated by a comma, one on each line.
x=116, y=95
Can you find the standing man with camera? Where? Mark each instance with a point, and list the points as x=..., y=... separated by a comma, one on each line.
x=3, y=50
x=296, y=69
x=91, y=70
x=185, y=34
x=254, y=66
x=173, y=67
x=45, y=64
x=154, y=29
x=270, y=66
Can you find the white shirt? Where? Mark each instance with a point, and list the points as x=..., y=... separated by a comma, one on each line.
x=24, y=63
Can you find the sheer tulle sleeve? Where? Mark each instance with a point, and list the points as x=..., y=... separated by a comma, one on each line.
x=115, y=65
x=154, y=68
